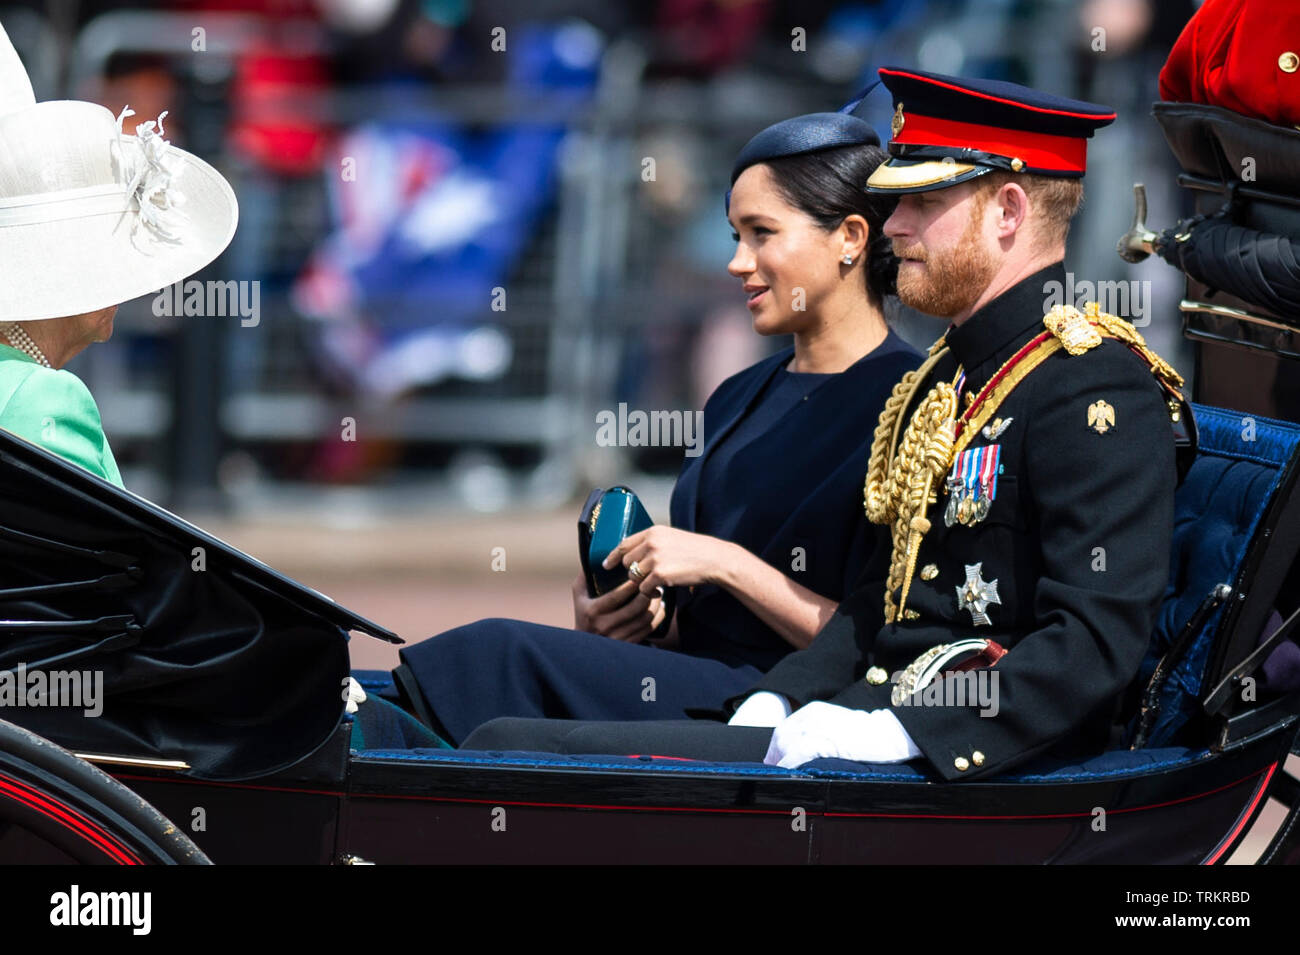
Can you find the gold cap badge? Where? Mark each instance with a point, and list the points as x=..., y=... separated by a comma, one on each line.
x=896, y=124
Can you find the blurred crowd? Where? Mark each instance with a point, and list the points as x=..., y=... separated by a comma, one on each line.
x=500, y=146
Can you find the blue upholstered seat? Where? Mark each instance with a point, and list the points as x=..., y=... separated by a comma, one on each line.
x=1102, y=766
x=1216, y=515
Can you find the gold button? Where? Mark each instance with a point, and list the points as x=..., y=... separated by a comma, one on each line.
x=977, y=758
x=1017, y=164
x=1289, y=62
x=961, y=763
x=929, y=572
x=877, y=676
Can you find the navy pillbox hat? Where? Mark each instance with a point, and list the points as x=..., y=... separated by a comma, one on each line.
x=810, y=133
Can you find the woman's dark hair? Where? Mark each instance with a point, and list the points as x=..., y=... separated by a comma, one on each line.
x=829, y=186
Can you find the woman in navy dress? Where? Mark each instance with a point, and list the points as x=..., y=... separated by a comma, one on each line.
x=768, y=532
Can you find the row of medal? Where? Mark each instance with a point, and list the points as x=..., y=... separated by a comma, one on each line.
x=972, y=485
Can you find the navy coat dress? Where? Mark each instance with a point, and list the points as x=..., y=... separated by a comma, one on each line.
x=781, y=474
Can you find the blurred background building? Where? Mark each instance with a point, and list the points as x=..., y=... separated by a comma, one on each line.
x=473, y=224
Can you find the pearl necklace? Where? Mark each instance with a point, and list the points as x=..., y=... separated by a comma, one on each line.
x=18, y=337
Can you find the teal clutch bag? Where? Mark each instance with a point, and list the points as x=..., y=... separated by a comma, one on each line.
x=607, y=517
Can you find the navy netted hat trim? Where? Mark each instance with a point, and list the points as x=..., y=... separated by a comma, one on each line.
x=804, y=134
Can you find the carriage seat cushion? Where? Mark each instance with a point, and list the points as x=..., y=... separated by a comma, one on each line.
x=1105, y=765
x=1217, y=512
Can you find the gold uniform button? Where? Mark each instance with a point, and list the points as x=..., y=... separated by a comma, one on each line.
x=962, y=764
x=977, y=758
x=877, y=676
x=1017, y=164
x=929, y=572
x=1288, y=62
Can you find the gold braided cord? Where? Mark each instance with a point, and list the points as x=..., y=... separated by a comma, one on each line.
x=899, y=486
x=934, y=442
x=882, y=492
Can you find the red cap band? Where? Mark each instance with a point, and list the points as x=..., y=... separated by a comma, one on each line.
x=1040, y=151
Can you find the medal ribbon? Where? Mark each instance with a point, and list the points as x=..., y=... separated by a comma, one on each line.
x=989, y=473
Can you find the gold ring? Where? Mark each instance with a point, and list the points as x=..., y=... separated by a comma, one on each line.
x=635, y=571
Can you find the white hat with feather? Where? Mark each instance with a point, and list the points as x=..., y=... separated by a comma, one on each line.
x=90, y=217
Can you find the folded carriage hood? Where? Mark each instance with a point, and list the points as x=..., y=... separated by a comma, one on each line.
x=1215, y=143
x=206, y=654
x=1251, y=254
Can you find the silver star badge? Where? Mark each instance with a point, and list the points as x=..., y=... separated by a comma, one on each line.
x=976, y=594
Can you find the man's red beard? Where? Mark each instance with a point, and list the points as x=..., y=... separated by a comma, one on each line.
x=952, y=280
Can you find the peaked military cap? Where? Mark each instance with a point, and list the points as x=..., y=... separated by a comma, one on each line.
x=947, y=130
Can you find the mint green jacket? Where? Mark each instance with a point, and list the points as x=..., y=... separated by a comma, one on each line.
x=55, y=410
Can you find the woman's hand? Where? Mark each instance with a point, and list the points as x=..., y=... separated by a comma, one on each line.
x=622, y=614
x=668, y=557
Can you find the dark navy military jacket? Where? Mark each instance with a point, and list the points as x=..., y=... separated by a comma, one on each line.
x=1076, y=541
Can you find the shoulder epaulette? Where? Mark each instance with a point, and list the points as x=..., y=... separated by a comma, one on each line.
x=1080, y=331
x=1072, y=329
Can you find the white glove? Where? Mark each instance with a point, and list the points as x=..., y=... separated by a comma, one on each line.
x=353, y=695
x=823, y=729
x=763, y=708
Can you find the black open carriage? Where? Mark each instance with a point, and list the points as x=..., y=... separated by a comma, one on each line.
x=223, y=709
x=224, y=701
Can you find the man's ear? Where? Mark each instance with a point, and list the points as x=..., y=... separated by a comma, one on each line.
x=1013, y=209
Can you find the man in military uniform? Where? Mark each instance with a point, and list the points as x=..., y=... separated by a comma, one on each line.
x=1026, y=473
